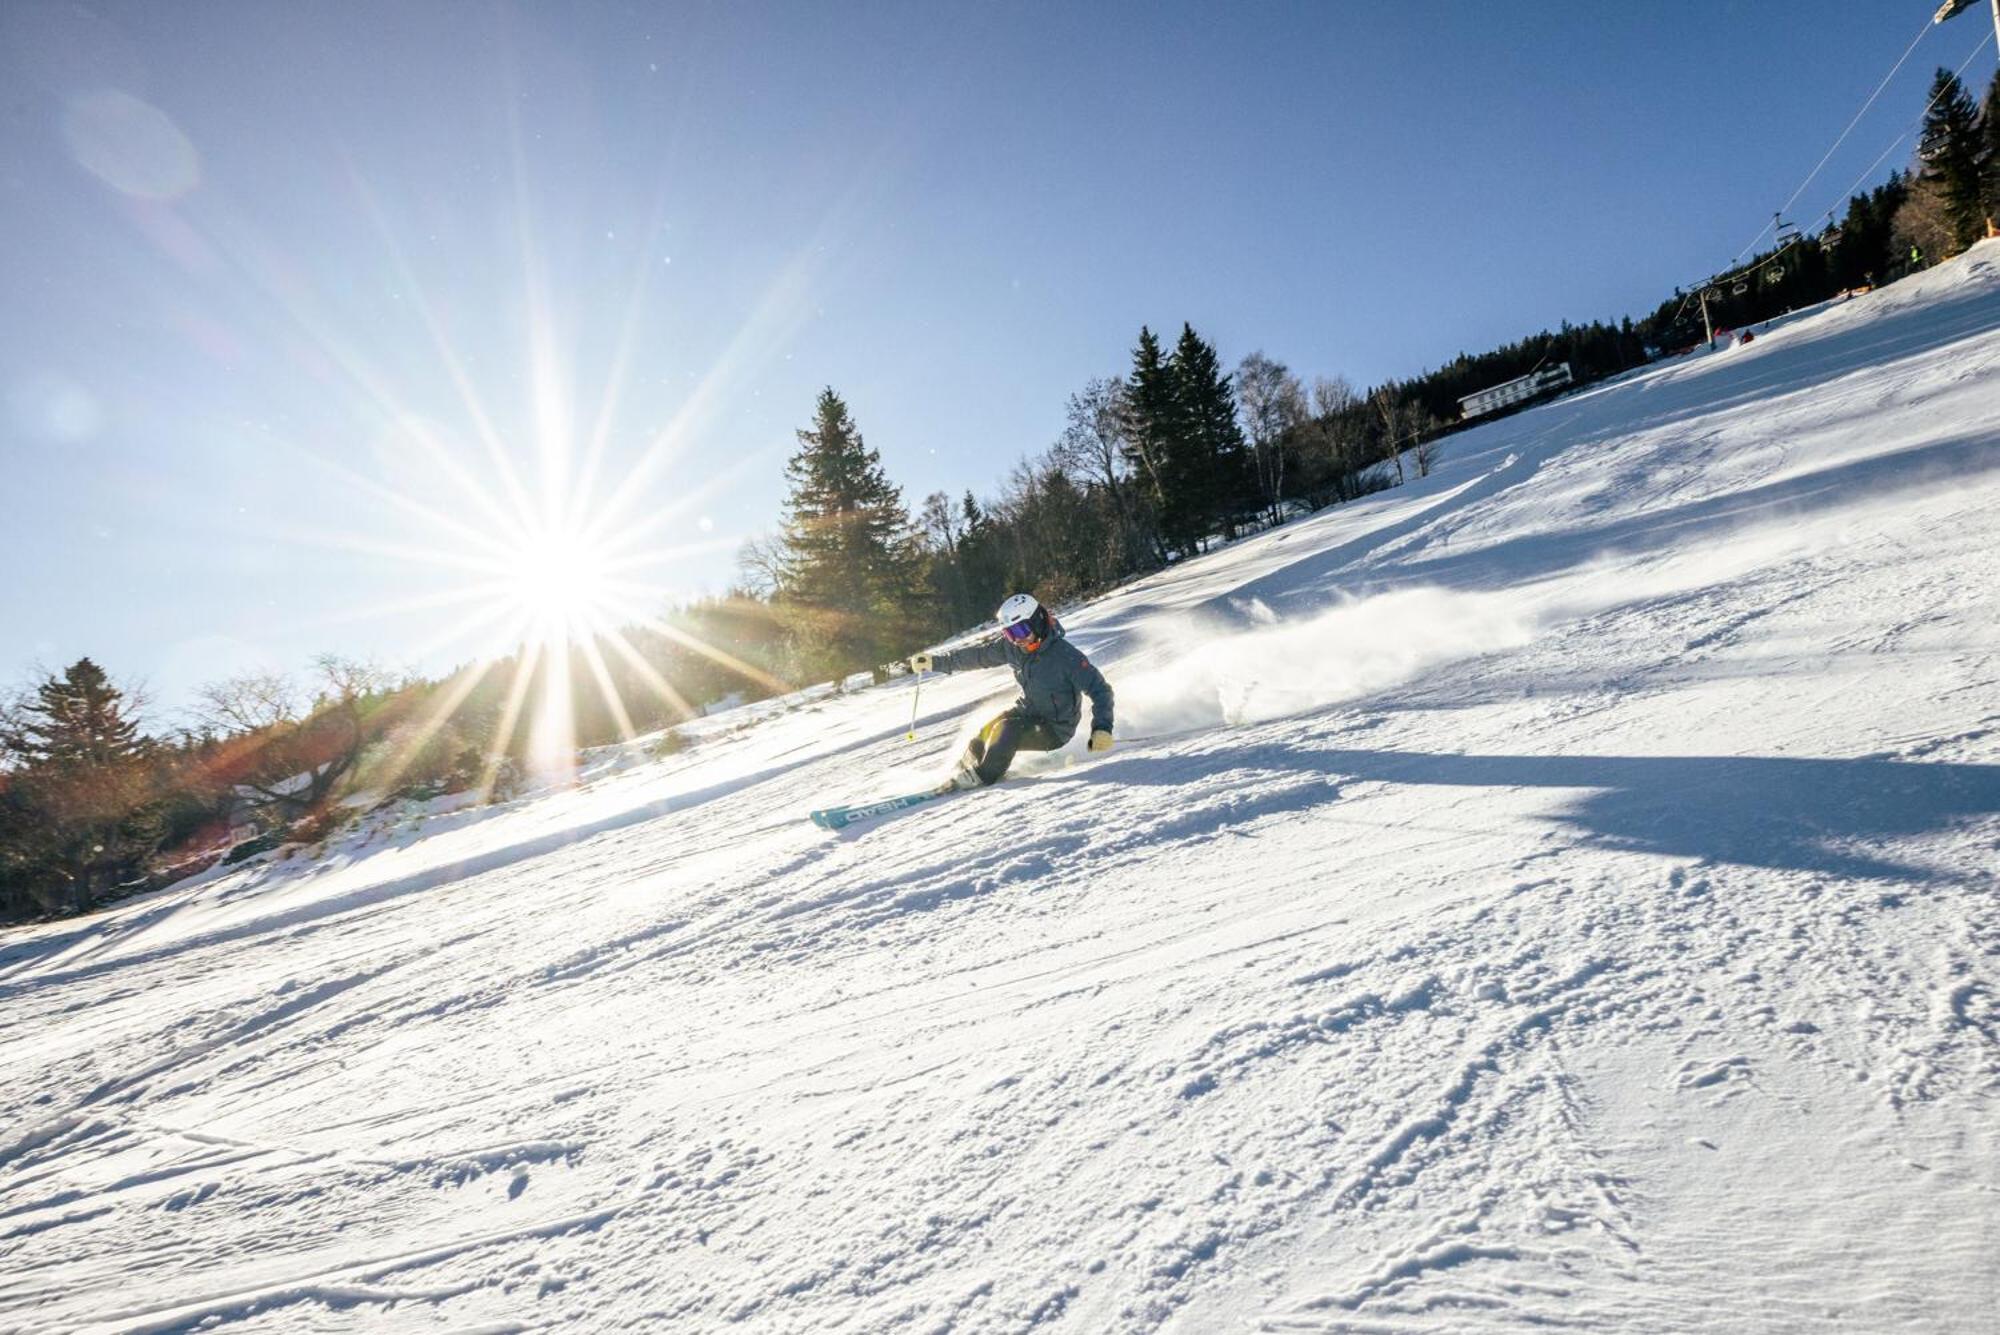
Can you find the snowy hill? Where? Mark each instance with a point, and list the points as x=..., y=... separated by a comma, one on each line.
x=1559, y=892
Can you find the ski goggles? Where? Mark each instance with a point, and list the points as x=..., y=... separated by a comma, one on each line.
x=1020, y=633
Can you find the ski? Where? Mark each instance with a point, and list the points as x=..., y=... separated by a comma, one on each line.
x=836, y=818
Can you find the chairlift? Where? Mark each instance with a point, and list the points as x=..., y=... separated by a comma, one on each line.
x=1739, y=288
x=1829, y=239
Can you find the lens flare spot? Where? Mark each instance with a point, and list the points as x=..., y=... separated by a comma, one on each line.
x=131, y=146
x=53, y=407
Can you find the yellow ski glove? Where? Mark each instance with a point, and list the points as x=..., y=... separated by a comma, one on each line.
x=1100, y=740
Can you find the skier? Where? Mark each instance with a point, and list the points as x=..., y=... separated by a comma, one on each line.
x=1052, y=673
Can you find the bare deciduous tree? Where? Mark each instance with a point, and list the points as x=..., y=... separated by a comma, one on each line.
x=289, y=747
x=1337, y=404
x=1389, y=407
x=1333, y=395
x=1422, y=426
x=1093, y=439
x=250, y=702
x=1924, y=220
x=1273, y=405
x=761, y=563
x=1096, y=445
x=939, y=523
x=1332, y=443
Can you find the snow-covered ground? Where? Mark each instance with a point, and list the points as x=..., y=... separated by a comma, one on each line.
x=1559, y=892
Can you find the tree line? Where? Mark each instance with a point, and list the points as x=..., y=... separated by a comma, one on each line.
x=1177, y=453
x=94, y=807
x=1151, y=466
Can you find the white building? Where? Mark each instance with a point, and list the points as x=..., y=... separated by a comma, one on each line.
x=1514, y=391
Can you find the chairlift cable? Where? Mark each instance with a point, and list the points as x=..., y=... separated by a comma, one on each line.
x=1897, y=141
x=1825, y=157
x=1733, y=274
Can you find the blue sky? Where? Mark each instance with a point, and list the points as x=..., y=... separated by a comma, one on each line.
x=283, y=285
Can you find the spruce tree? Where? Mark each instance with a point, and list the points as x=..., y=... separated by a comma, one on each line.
x=1211, y=460
x=1152, y=416
x=1864, y=251
x=81, y=791
x=76, y=719
x=1950, y=151
x=981, y=564
x=850, y=582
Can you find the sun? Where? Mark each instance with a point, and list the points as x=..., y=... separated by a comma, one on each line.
x=560, y=581
x=560, y=553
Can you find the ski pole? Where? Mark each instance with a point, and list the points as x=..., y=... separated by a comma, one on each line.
x=916, y=693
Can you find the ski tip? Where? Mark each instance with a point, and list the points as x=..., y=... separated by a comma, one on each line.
x=839, y=818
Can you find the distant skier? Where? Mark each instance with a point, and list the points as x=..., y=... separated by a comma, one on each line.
x=1053, y=676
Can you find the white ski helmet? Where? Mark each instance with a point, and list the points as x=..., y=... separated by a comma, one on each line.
x=1024, y=621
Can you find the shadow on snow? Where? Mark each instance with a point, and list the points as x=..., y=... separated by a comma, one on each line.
x=1814, y=815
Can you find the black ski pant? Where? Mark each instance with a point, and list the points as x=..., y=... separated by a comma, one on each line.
x=990, y=753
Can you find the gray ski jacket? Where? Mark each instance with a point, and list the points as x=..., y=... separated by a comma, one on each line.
x=1052, y=679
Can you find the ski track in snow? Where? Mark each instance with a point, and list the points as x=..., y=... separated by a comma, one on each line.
x=1556, y=893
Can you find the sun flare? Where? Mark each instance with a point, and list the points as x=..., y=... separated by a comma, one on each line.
x=561, y=575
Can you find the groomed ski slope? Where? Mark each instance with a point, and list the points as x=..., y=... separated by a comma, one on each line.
x=1558, y=892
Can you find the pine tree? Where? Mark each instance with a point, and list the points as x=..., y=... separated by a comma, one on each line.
x=1152, y=416
x=80, y=800
x=77, y=719
x=850, y=582
x=1864, y=250
x=1950, y=151
x=1210, y=460
x=981, y=564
